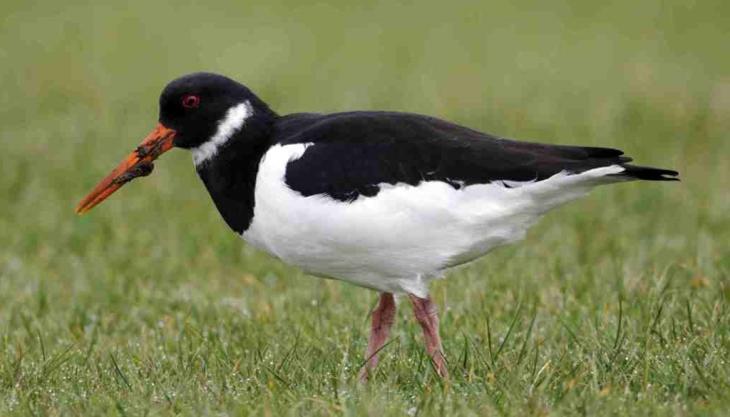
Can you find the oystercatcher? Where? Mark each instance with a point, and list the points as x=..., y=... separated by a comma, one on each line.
x=384, y=200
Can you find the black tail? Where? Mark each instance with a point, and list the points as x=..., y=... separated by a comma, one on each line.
x=648, y=173
x=552, y=159
x=593, y=157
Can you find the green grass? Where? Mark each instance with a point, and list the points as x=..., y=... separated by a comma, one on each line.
x=614, y=305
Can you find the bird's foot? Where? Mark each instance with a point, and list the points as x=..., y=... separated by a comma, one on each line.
x=427, y=316
x=382, y=320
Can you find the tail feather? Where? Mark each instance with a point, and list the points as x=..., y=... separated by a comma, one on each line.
x=552, y=159
x=593, y=157
x=648, y=173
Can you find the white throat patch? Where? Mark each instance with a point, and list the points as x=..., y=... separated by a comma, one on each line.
x=230, y=124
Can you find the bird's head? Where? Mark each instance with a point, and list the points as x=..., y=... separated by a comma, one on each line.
x=200, y=112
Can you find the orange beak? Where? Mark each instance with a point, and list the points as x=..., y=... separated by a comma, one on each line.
x=137, y=164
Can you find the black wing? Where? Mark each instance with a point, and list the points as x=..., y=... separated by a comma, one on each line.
x=352, y=153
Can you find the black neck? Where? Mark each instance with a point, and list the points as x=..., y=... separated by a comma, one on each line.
x=230, y=175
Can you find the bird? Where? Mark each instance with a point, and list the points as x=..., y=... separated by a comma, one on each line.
x=384, y=200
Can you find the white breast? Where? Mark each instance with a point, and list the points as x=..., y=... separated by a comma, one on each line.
x=404, y=236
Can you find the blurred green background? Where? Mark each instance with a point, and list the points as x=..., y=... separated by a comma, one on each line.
x=614, y=305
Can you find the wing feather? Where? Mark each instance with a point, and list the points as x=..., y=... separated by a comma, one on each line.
x=353, y=153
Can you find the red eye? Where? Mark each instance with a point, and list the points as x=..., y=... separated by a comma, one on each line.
x=191, y=101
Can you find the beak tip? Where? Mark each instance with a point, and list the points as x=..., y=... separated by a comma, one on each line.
x=137, y=164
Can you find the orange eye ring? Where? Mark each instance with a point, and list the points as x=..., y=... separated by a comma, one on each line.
x=191, y=101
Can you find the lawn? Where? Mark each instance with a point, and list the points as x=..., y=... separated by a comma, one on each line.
x=614, y=305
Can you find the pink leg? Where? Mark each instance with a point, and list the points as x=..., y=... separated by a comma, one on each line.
x=383, y=317
x=427, y=316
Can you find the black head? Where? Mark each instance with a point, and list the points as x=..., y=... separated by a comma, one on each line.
x=203, y=112
x=195, y=104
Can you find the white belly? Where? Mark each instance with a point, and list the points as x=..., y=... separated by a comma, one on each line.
x=404, y=236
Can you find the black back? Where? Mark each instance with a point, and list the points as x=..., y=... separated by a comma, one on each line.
x=354, y=152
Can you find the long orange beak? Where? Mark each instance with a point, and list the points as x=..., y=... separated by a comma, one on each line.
x=137, y=164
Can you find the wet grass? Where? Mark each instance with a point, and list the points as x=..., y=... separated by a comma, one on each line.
x=614, y=305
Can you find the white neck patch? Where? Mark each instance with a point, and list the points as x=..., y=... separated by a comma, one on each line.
x=230, y=124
